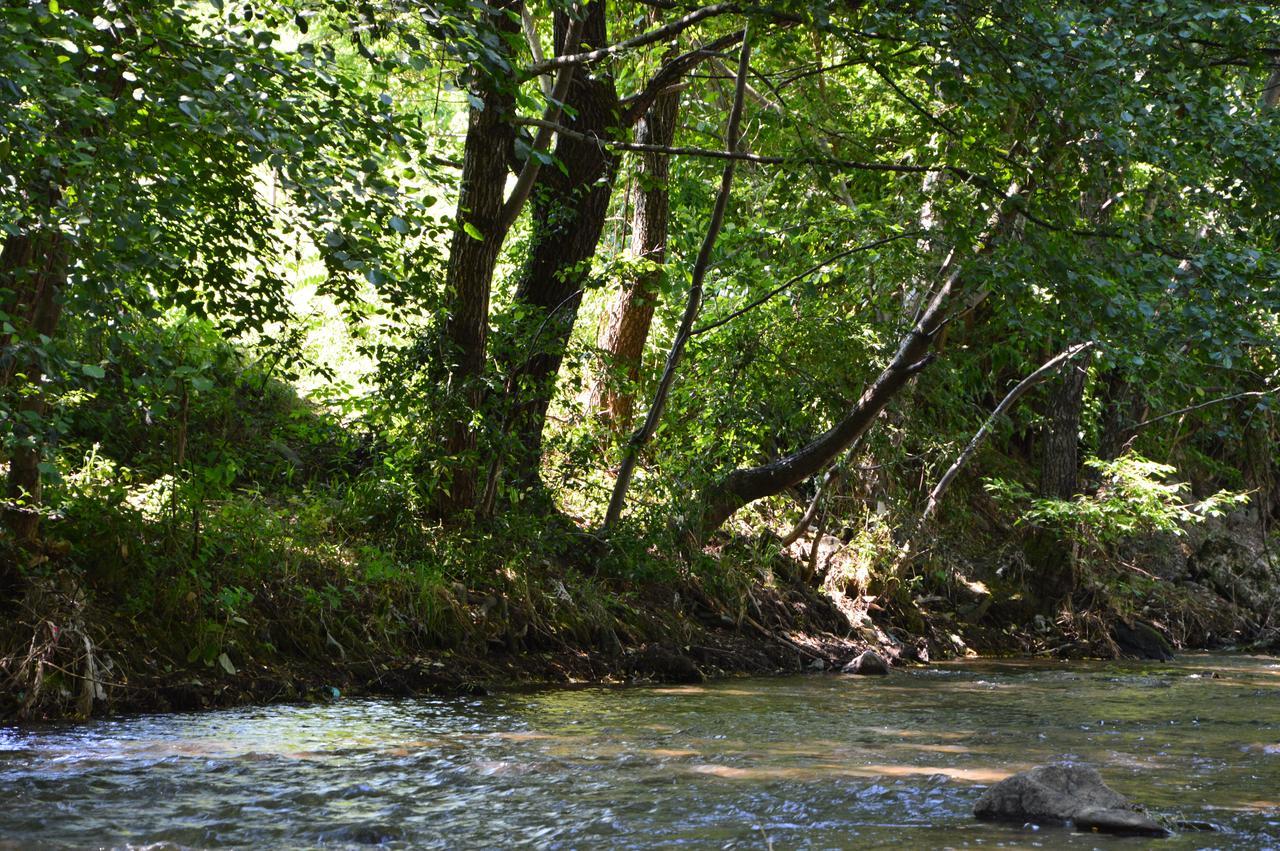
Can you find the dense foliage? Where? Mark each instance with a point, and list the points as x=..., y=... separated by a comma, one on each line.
x=342, y=315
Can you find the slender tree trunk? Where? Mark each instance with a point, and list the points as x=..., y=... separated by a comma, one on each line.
x=15, y=261
x=568, y=213
x=33, y=268
x=623, y=339
x=694, y=303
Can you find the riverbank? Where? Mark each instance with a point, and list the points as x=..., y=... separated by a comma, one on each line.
x=749, y=606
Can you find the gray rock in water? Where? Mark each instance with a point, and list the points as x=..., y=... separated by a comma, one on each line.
x=1057, y=794
x=868, y=662
x=1141, y=640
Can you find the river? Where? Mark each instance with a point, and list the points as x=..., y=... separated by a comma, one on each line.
x=798, y=762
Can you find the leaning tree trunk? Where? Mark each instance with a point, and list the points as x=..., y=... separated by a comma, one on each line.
x=623, y=340
x=748, y=484
x=473, y=252
x=631, y=454
x=718, y=502
x=568, y=211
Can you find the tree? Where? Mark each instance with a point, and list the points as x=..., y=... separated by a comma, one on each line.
x=138, y=138
x=622, y=339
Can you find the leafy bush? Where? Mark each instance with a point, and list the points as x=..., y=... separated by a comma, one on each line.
x=1135, y=497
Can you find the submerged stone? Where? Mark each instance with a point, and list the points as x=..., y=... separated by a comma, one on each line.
x=1058, y=794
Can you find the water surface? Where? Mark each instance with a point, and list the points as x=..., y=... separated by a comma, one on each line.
x=802, y=762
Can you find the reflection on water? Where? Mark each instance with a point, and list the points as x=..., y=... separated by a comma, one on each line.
x=814, y=762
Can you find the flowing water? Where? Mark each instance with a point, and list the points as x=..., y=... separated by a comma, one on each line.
x=802, y=762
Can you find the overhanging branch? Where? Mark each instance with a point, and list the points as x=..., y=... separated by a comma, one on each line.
x=711, y=153
x=661, y=33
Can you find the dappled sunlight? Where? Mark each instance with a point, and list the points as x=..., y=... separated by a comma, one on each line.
x=968, y=775
x=817, y=772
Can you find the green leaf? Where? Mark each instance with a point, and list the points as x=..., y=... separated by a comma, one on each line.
x=225, y=661
x=472, y=231
x=399, y=225
x=93, y=370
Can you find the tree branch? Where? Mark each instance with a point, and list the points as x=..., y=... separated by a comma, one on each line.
x=665, y=31
x=535, y=46
x=1019, y=390
x=633, y=108
x=1249, y=395
x=541, y=142
x=710, y=153
x=711, y=326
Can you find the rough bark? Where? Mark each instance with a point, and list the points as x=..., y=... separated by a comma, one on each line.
x=623, y=340
x=1060, y=457
x=469, y=275
x=1123, y=408
x=568, y=211
x=1051, y=553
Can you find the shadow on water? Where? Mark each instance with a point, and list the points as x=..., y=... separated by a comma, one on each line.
x=814, y=762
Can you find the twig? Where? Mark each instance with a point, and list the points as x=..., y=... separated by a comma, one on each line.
x=711, y=326
x=1220, y=399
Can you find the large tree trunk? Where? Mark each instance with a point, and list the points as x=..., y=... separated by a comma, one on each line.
x=1049, y=550
x=568, y=211
x=469, y=275
x=1060, y=457
x=623, y=339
